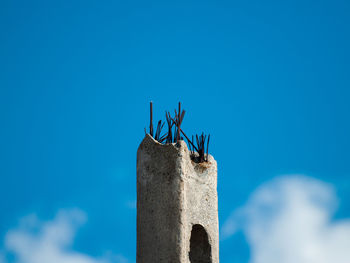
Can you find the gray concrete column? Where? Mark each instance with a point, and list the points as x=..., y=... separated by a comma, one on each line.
x=177, y=206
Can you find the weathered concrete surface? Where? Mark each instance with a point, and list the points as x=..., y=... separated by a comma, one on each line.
x=177, y=208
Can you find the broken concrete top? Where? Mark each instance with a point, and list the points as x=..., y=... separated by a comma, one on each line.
x=174, y=151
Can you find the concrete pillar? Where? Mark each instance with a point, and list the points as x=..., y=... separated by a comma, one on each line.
x=177, y=206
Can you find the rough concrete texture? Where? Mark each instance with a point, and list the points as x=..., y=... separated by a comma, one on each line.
x=177, y=206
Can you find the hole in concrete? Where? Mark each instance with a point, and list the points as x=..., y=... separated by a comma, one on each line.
x=200, y=249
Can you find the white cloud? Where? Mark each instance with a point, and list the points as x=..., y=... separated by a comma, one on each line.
x=288, y=220
x=50, y=242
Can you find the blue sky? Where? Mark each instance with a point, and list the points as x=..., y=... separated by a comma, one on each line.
x=269, y=80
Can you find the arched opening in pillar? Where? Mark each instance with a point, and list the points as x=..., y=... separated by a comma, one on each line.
x=200, y=249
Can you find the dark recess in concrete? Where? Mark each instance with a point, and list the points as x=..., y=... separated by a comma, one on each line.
x=200, y=250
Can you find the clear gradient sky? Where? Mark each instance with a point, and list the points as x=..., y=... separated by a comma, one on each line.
x=269, y=80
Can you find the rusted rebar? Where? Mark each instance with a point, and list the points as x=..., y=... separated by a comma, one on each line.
x=151, y=119
x=201, y=145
